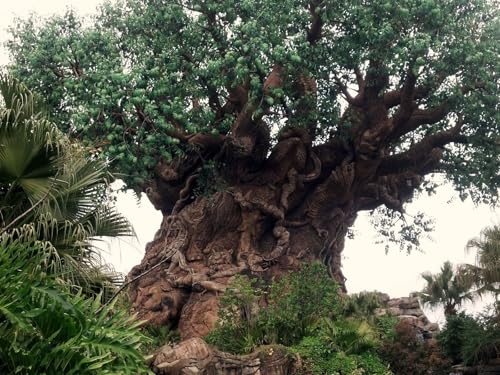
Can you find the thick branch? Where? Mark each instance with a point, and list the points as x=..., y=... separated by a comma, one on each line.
x=315, y=32
x=418, y=118
x=407, y=105
x=418, y=157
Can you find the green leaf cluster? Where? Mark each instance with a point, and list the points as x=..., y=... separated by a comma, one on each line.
x=304, y=313
x=470, y=340
x=124, y=78
x=53, y=193
x=45, y=328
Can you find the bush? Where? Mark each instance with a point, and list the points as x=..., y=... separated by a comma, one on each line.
x=471, y=341
x=303, y=312
x=408, y=354
x=45, y=329
x=320, y=358
x=294, y=304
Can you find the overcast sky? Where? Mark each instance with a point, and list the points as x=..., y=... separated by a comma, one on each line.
x=366, y=265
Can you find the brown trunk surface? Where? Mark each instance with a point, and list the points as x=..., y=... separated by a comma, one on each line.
x=241, y=230
x=194, y=357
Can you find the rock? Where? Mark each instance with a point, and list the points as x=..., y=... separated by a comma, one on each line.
x=380, y=311
x=194, y=356
x=408, y=308
x=395, y=311
x=409, y=318
x=415, y=312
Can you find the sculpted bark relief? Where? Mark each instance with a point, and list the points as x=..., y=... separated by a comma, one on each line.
x=261, y=128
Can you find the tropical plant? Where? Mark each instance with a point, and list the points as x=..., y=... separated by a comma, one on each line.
x=45, y=328
x=484, y=276
x=444, y=289
x=318, y=358
x=294, y=306
x=471, y=340
x=53, y=193
x=362, y=305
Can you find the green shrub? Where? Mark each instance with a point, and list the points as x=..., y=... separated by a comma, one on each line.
x=362, y=305
x=299, y=300
x=45, y=329
x=294, y=304
x=320, y=358
x=471, y=340
x=407, y=354
x=304, y=312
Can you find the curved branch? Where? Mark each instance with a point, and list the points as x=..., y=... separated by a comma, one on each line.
x=419, y=155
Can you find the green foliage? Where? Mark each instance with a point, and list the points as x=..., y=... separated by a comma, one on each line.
x=407, y=353
x=130, y=75
x=299, y=300
x=386, y=326
x=483, y=277
x=454, y=335
x=158, y=336
x=321, y=359
x=47, y=329
x=294, y=304
x=239, y=328
x=471, y=340
x=445, y=288
x=303, y=312
x=52, y=193
x=362, y=304
x=208, y=181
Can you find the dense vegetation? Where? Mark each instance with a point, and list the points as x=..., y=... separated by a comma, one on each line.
x=332, y=334
x=260, y=129
x=53, y=286
x=467, y=339
x=45, y=328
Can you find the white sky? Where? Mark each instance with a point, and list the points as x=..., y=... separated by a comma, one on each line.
x=366, y=265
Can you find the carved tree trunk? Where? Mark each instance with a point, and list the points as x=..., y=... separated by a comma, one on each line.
x=266, y=227
x=278, y=205
x=194, y=356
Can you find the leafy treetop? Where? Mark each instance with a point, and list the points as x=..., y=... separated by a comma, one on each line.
x=396, y=79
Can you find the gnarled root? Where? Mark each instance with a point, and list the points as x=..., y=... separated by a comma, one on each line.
x=195, y=356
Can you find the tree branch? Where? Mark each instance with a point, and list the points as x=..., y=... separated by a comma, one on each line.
x=315, y=32
x=418, y=118
x=424, y=153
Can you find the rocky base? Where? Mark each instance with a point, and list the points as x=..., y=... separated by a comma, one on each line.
x=408, y=309
x=195, y=356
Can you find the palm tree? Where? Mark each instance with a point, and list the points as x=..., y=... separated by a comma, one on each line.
x=484, y=275
x=444, y=289
x=52, y=193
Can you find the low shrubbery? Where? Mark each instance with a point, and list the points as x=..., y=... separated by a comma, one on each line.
x=407, y=353
x=470, y=340
x=304, y=312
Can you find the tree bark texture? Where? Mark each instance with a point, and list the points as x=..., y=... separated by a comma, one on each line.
x=195, y=357
x=278, y=205
x=275, y=204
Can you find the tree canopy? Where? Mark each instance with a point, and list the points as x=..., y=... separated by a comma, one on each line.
x=411, y=85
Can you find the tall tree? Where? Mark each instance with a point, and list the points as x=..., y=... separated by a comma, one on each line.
x=445, y=289
x=484, y=276
x=261, y=128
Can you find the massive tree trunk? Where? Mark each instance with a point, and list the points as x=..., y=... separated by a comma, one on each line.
x=237, y=204
x=284, y=215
